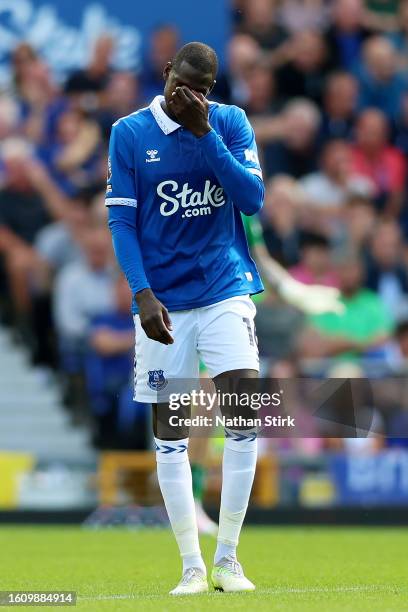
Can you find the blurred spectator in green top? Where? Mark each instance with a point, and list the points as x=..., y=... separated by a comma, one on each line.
x=365, y=324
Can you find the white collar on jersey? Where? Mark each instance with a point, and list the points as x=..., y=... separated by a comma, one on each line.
x=166, y=124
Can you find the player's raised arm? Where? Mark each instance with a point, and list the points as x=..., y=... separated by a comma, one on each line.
x=121, y=198
x=236, y=166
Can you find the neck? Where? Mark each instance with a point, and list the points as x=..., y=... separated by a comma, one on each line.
x=166, y=110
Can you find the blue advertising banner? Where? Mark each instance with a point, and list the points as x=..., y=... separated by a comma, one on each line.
x=371, y=479
x=63, y=31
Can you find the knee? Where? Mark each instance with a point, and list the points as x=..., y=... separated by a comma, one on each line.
x=164, y=425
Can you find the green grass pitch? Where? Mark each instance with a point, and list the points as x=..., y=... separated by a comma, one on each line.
x=295, y=569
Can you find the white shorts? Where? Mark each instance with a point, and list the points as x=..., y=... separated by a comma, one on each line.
x=221, y=335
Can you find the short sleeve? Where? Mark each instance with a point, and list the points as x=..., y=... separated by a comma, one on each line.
x=241, y=141
x=121, y=180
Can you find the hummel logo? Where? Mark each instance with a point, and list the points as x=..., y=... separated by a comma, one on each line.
x=152, y=156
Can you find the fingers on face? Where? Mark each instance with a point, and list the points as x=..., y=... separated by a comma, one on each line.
x=177, y=101
x=180, y=95
x=191, y=95
x=186, y=96
x=199, y=95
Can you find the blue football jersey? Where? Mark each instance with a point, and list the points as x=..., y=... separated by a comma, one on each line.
x=191, y=236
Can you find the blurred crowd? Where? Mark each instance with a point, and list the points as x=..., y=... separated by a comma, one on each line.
x=325, y=85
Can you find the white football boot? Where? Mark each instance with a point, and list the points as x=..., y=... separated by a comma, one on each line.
x=193, y=581
x=227, y=575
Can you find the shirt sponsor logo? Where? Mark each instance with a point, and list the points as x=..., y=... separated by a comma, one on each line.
x=193, y=203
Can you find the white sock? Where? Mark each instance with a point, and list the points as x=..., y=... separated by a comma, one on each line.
x=225, y=550
x=238, y=470
x=174, y=474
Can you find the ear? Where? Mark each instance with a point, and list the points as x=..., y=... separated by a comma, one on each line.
x=166, y=70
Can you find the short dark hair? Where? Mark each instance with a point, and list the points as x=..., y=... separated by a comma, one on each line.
x=199, y=56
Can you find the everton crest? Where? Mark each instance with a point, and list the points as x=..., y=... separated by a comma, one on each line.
x=157, y=380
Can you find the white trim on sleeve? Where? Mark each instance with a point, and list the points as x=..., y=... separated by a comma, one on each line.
x=255, y=171
x=121, y=202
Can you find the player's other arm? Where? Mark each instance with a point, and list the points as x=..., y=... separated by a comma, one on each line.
x=236, y=166
x=121, y=199
x=154, y=317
